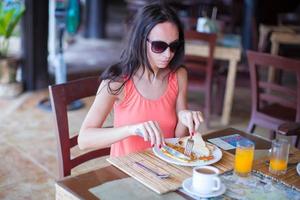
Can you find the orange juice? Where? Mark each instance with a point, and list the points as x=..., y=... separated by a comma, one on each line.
x=279, y=156
x=243, y=160
x=278, y=164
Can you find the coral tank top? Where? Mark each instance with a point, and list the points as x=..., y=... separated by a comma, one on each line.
x=137, y=109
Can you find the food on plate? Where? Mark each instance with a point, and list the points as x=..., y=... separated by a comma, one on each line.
x=180, y=149
x=201, y=150
x=200, y=146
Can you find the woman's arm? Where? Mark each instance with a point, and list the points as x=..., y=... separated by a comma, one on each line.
x=186, y=118
x=181, y=103
x=92, y=135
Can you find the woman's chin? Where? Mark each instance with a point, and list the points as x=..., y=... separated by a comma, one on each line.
x=162, y=65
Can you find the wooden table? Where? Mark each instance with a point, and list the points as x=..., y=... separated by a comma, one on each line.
x=265, y=30
x=278, y=38
x=230, y=54
x=77, y=187
x=279, y=35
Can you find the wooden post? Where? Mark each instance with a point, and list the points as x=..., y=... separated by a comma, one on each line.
x=35, y=44
x=95, y=19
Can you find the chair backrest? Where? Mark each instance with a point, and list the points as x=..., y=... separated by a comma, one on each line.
x=283, y=93
x=200, y=64
x=61, y=96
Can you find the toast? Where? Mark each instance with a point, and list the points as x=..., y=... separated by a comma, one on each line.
x=200, y=147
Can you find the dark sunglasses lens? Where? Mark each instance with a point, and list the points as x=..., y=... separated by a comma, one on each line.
x=159, y=46
x=174, y=46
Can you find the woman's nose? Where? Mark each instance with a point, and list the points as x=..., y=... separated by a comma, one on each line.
x=167, y=53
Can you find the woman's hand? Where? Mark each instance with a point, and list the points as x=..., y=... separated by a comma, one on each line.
x=190, y=119
x=149, y=130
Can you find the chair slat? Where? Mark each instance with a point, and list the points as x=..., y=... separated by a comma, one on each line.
x=275, y=87
x=73, y=141
x=89, y=156
x=279, y=100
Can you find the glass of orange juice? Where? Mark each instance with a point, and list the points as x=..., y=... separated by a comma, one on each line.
x=244, y=155
x=279, y=156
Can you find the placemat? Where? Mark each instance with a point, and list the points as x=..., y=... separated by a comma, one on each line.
x=256, y=186
x=129, y=189
x=291, y=178
x=177, y=173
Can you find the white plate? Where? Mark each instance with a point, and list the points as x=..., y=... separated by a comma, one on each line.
x=217, y=153
x=187, y=186
x=298, y=168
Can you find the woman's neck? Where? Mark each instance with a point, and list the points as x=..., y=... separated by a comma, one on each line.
x=152, y=77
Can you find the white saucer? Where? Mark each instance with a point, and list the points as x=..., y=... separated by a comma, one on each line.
x=187, y=186
x=298, y=168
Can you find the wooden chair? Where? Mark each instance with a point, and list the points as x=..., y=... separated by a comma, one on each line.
x=61, y=96
x=200, y=69
x=273, y=103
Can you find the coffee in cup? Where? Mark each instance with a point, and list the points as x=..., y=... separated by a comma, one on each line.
x=205, y=179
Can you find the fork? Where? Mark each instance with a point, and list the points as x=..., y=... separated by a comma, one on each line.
x=159, y=175
x=189, y=146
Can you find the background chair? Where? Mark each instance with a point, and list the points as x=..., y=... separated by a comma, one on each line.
x=200, y=69
x=61, y=95
x=273, y=103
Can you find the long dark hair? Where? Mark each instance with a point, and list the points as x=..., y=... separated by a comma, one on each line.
x=134, y=54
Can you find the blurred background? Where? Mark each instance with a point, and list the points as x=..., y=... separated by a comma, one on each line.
x=46, y=42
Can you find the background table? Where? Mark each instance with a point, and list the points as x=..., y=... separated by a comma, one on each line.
x=228, y=53
x=279, y=35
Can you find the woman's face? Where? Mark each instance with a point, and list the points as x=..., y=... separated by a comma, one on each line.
x=166, y=32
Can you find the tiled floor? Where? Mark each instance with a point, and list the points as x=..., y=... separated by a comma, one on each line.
x=28, y=145
x=28, y=166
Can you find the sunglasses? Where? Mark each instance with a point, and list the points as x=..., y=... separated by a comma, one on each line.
x=160, y=46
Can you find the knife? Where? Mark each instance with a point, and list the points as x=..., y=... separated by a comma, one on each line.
x=175, y=154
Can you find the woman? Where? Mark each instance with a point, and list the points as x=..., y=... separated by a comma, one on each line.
x=147, y=89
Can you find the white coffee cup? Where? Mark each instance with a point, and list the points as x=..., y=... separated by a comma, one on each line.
x=205, y=179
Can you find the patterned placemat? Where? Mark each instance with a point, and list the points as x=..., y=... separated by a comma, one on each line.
x=177, y=173
x=255, y=186
x=291, y=178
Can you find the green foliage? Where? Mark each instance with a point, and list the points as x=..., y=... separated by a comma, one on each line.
x=11, y=12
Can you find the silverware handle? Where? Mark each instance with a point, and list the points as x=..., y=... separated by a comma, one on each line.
x=147, y=168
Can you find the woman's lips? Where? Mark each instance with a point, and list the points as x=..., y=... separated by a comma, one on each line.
x=164, y=62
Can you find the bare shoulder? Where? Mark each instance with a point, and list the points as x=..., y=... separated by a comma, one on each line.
x=113, y=85
x=181, y=72
x=107, y=87
x=182, y=76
